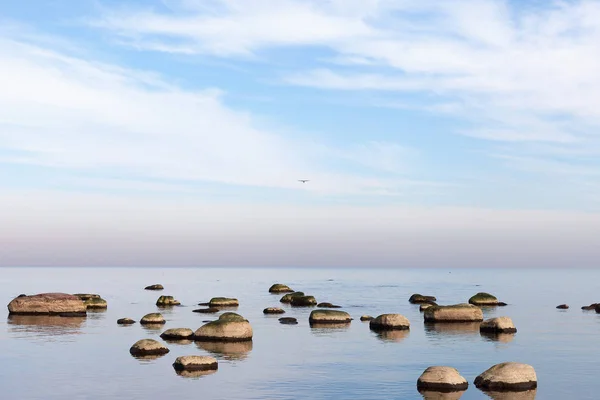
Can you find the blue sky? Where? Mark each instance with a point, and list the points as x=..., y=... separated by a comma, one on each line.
x=476, y=105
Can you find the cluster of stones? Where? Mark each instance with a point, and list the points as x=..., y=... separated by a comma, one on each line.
x=92, y=301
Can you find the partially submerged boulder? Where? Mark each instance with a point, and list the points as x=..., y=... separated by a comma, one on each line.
x=562, y=307
x=425, y=306
x=483, y=299
x=280, y=288
x=148, y=347
x=287, y=298
x=62, y=304
x=388, y=322
x=196, y=363
x=177, y=334
x=366, y=318
x=329, y=317
x=153, y=319
x=87, y=296
x=303, y=301
x=273, y=310
x=167, y=301
x=156, y=286
x=442, y=379
x=96, y=304
x=125, y=321
x=420, y=299
x=328, y=305
x=453, y=313
x=498, y=325
x=209, y=310
x=223, y=302
x=288, y=321
x=507, y=376
x=590, y=307
x=230, y=327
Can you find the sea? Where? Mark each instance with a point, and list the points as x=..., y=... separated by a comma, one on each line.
x=88, y=358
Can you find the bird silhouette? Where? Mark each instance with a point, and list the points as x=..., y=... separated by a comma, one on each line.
x=303, y=180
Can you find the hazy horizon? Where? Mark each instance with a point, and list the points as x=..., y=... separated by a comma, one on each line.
x=174, y=133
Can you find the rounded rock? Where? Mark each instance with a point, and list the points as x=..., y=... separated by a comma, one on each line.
x=329, y=317
x=483, y=299
x=167, y=301
x=425, y=306
x=442, y=379
x=125, y=321
x=152, y=319
x=230, y=327
x=209, y=310
x=498, y=325
x=507, y=376
x=195, y=363
x=287, y=298
x=562, y=307
x=280, y=288
x=454, y=313
x=156, y=286
x=273, y=310
x=389, y=322
x=48, y=304
x=148, y=347
x=328, y=305
x=366, y=318
x=95, y=303
x=288, y=321
x=223, y=302
x=420, y=299
x=303, y=301
x=177, y=334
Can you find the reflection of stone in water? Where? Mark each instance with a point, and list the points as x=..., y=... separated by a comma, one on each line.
x=328, y=329
x=181, y=342
x=153, y=327
x=96, y=313
x=525, y=395
x=194, y=374
x=431, y=395
x=396, y=335
x=148, y=358
x=498, y=337
x=227, y=350
x=452, y=328
x=45, y=324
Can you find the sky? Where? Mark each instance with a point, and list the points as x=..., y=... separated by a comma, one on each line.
x=173, y=133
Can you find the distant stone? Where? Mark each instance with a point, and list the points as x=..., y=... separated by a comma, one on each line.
x=152, y=319
x=48, y=304
x=501, y=304
x=167, y=301
x=303, y=301
x=288, y=321
x=230, y=327
x=148, y=347
x=177, y=334
x=483, y=299
x=329, y=317
x=195, y=363
x=420, y=299
x=87, y=296
x=125, y=321
x=223, y=302
x=328, y=305
x=280, y=288
x=204, y=304
x=562, y=307
x=590, y=307
x=273, y=310
x=209, y=310
x=507, y=376
x=498, y=325
x=443, y=379
x=385, y=322
x=157, y=286
x=366, y=318
x=453, y=313
x=287, y=298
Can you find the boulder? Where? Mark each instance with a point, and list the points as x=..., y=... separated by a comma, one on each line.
x=287, y=298
x=420, y=299
x=498, y=325
x=366, y=318
x=148, y=347
x=157, y=286
x=328, y=305
x=425, y=306
x=167, y=301
x=483, y=299
x=230, y=327
x=280, y=288
x=195, y=363
x=223, y=302
x=442, y=379
x=152, y=319
x=385, y=322
x=562, y=307
x=507, y=376
x=177, y=334
x=125, y=321
x=95, y=304
x=273, y=310
x=329, y=317
x=454, y=313
x=209, y=310
x=288, y=321
x=303, y=301
x=590, y=307
x=48, y=304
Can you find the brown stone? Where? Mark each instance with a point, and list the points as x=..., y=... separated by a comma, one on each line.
x=48, y=304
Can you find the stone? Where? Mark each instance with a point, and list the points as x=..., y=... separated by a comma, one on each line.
x=328, y=305
x=125, y=321
x=273, y=310
x=483, y=299
x=167, y=301
x=288, y=321
x=177, y=334
x=287, y=298
x=48, y=304
x=590, y=307
x=280, y=288
x=507, y=376
x=425, y=306
x=87, y=296
x=95, y=303
x=152, y=319
x=501, y=304
x=303, y=301
x=157, y=286
x=329, y=317
x=389, y=322
x=196, y=363
x=148, y=347
x=230, y=327
x=442, y=379
x=453, y=313
x=562, y=307
x=498, y=325
x=209, y=310
x=223, y=302
x=420, y=299
x=366, y=318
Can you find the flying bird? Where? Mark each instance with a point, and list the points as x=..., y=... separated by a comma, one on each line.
x=303, y=180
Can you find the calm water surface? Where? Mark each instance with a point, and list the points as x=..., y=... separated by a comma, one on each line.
x=58, y=358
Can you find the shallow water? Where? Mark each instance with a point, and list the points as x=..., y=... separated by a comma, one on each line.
x=56, y=358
